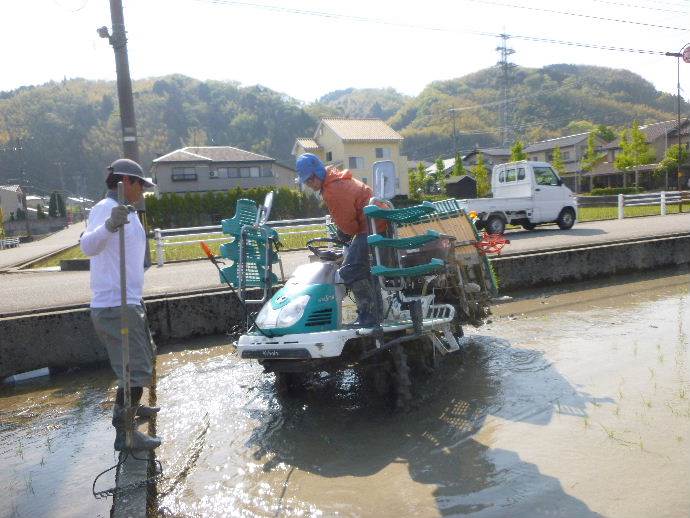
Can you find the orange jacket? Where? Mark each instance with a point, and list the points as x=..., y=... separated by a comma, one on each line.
x=345, y=198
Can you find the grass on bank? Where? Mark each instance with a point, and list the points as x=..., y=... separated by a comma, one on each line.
x=191, y=251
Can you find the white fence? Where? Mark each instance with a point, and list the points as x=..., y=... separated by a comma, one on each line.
x=661, y=199
x=9, y=242
x=170, y=236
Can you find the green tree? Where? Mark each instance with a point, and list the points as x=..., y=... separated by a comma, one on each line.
x=12, y=216
x=670, y=162
x=591, y=157
x=56, y=205
x=557, y=161
x=481, y=175
x=2, y=223
x=416, y=176
x=634, y=149
x=517, y=152
x=458, y=167
x=40, y=213
x=605, y=133
x=21, y=215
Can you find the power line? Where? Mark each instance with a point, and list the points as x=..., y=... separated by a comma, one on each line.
x=637, y=6
x=579, y=15
x=379, y=21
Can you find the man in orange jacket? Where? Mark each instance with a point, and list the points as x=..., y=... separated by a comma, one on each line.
x=346, y=198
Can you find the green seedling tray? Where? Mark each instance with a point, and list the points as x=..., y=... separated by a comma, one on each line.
x=403, y=242
x=406, y=215
x=412, y=271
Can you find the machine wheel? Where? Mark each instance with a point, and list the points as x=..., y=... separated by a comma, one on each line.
x=529, y=226
x=566, y=219
x=495, y=225
x=402, y=384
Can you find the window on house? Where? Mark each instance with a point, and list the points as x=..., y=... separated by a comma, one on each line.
x=364, y=179
x=184, y=174
x=233, y=172
x=329, y=157
x=220, y=172
x=244, y=172
x=383, y=152
x=565, y=155
x=355, y=162
x=254, y=172
x=267, y=172
x=535, y=158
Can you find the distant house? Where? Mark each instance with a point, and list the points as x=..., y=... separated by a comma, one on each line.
x=448, y=165
x=492, y=156
x=355, y=144
x=660, y=136
x=10, y=200
x=217, y=168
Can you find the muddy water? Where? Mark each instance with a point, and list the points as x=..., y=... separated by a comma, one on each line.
x=575, y=404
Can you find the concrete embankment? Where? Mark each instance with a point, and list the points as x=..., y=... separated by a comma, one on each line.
x=64, y=339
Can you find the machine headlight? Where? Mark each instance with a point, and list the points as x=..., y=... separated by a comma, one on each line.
x=292, y=312
x=267, y=317
x=286, y=316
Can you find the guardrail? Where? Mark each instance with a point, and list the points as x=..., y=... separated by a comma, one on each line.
x=169, y=237
x=9, y=242
x=662, y=199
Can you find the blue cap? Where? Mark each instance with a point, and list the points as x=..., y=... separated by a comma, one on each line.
x=309, y=165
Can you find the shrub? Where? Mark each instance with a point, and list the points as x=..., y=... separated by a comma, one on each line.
x=175, y=210
x=607, y=191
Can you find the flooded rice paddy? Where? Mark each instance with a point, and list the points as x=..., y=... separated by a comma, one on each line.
x=574, y=404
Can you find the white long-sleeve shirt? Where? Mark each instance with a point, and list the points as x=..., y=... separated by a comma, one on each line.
x=103, y=247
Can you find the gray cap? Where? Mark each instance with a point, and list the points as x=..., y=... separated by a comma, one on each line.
x=127, y=167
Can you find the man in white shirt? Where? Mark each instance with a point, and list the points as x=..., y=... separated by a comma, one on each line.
x=100, y=242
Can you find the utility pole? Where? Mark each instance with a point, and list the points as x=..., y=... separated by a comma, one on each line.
x=118, y=40
x=684, y=53
x=505, y=69
x=452, y=112
x=23, y=184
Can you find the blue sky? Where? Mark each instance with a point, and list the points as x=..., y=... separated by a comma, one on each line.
x=404, y=45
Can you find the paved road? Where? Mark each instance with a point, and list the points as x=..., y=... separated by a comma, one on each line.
x=29, y=251
x=25, y=291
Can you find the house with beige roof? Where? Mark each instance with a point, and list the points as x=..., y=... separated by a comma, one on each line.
x=356, y=144
x=217, y=168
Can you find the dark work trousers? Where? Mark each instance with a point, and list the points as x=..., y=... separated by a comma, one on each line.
x=356, y=263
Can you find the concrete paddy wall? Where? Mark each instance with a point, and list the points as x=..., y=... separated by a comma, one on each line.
x=547, y=268
x=66, y=339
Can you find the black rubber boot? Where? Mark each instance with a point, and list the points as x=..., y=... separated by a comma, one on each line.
x=363, y=291
x=140, y=441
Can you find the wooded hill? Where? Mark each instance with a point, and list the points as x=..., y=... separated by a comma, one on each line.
x=68, y=131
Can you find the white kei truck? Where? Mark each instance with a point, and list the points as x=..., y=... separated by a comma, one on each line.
x=525, y=193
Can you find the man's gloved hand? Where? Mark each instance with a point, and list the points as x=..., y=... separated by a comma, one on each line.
x=118, y=218
x=342, y=236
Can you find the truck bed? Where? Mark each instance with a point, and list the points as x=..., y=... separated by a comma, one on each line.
x=487, y=205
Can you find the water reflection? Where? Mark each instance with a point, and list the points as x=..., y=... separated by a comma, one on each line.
x=336, y=436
